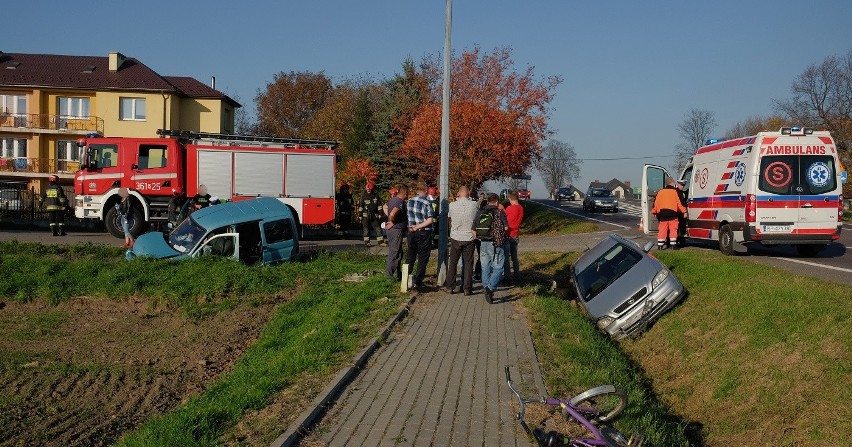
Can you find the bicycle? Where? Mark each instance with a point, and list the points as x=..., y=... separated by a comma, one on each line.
x=591, y=408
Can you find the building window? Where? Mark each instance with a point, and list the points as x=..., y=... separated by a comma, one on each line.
x=67, y=150
x=132, y=109
x=13, y=104
x=73, y=107
x=13, y=148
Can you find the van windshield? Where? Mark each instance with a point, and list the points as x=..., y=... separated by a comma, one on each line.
x=797, y=174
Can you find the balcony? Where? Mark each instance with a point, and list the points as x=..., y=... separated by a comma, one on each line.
x=26, y=167
x=44, y=123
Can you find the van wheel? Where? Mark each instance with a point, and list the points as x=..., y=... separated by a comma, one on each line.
x=726, y=240
x=809, y=250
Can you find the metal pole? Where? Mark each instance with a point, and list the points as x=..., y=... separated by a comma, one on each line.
x=443, y=181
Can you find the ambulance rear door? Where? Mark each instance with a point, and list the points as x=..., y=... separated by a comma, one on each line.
x=653, y=180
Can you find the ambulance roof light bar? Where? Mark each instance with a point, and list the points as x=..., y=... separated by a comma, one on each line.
x=189, y=135
x=712, y=141
x=797, y=131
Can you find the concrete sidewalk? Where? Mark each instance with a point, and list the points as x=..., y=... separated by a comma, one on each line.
x=440, y=380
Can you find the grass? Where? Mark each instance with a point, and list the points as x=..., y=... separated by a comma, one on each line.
x=311, y=334
x=754, y=352
x=541, y=220
x=316, y=332
x=575, y=356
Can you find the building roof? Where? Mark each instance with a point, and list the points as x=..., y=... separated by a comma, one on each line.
x=93, y=73
x=610, y=185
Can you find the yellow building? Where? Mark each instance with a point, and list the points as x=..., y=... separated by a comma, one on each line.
x=48, y=101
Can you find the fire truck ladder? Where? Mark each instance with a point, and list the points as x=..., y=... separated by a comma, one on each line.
x=224, y=139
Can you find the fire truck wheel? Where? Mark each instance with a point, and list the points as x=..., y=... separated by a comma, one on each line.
x=726, y=240
x=112, y=222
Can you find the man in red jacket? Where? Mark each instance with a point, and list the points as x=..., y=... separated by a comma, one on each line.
x=515, y=216
x=667, y=208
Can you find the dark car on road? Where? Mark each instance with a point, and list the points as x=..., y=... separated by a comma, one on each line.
x=565, y=194
x=600, y=199
x=622, y=288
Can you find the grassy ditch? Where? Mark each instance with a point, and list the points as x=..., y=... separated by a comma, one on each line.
x=755, y=352
x=539, y=219
x=314, y=333
x=575, y=356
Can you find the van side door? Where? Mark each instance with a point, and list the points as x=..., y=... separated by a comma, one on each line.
x=653, y=180
x=280, y=242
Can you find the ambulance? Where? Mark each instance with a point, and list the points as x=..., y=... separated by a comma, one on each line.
x=772, y=188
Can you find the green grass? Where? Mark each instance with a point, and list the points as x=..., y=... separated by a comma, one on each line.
x=575, y=356
x=316, y=332
x=753, y=349
x=539, y=219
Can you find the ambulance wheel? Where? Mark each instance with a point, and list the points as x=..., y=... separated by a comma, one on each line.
x=726, y=240
x=809, y=250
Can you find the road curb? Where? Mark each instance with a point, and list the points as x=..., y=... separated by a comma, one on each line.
x=300, y=427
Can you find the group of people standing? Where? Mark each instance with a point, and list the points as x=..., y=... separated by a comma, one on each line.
x=486, y=227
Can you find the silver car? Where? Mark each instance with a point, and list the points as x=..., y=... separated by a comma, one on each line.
x=600, y=199
x=622, y=288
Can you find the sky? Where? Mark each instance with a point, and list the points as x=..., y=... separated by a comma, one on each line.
x=631, y=70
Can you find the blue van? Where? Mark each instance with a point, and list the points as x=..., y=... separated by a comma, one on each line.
x=257, y=231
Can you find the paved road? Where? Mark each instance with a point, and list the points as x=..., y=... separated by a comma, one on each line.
x=439, y=380
x=833, y=264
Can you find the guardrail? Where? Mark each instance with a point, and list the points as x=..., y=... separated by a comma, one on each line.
x=59, y=123
x=39, y=165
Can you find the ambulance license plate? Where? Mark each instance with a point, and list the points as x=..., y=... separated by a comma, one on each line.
x=776, y=228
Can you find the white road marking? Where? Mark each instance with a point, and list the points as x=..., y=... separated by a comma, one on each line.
x=814, y=264
x=584, y=217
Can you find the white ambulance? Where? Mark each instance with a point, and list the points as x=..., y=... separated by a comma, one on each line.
x=772, y=188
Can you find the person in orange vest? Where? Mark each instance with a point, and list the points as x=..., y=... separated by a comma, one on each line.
x=668, y=209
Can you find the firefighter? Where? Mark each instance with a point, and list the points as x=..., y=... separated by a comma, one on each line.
x=370, y=207
x=345, y=206
x=55, y=203
x=201, y=199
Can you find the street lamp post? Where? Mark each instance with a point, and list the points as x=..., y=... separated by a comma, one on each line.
x=443, y=181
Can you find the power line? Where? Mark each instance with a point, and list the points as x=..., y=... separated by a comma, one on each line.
x=611, y=159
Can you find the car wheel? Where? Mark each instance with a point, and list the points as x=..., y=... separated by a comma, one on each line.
x=809, y=250
x=726, y=240
x=615, y=210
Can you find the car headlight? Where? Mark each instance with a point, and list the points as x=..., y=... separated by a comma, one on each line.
x=615, y=202
x=603, y=322
x=659, y=278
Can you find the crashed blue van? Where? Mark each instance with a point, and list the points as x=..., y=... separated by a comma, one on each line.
x=257, y=231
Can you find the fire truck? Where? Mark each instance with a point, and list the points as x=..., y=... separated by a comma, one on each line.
x=300, y=173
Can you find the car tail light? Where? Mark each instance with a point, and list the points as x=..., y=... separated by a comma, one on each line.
x=840, y=208
x=751, y=208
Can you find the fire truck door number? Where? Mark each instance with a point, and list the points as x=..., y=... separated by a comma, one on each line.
x=148, y=186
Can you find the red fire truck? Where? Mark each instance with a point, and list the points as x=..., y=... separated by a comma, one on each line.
x=300, y=173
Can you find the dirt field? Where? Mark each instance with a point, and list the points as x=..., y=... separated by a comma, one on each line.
x=85, y=371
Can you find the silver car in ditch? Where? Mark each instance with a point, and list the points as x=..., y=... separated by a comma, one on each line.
x=622, y=288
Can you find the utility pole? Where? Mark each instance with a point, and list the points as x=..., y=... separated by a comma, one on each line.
x=443, y=181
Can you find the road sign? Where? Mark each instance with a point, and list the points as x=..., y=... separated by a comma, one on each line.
x=844, y=177
x=521, y=177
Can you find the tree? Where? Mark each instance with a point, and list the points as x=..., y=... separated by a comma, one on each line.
x=289, y=102
x=697, y=126
x=498, y=118
x=754, y=124
x=822, y=98
x=558, y=164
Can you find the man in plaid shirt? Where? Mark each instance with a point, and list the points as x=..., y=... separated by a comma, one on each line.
x=420, y=220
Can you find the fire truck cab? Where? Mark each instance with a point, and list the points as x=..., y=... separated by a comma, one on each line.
x=300, y=173
x=773, y=188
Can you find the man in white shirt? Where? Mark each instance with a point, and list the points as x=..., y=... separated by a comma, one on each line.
x=461, y=213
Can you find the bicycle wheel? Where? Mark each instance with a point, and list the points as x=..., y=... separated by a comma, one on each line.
x=615, y=437
x=600, y=404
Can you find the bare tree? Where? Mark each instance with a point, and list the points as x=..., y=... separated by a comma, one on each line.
x=822, y=97
x=755, y=124
x=558, y=164
x=697, y=126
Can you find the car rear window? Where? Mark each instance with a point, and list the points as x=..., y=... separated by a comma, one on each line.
x=797, y=174
x=606, y=269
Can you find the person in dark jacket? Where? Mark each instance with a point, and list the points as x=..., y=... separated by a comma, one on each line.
x=125, y=211
x=55, y=203
x=682, y=219
x=200, y=199
x=371, y=209
x=345, y=208
x=491, y=252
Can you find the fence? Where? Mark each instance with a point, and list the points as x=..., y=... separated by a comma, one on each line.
x=20, y=205
x=53, y=122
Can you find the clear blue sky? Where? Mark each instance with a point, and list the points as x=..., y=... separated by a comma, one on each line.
x=631, y=69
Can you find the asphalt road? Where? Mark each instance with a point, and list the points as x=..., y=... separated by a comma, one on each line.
x=833, y=264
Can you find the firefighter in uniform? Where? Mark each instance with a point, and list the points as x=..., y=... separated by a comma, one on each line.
x=370, y=207
x=55, y=203
x=345, y=207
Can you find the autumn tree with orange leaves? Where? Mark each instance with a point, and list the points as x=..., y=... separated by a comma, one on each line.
x=498, y=119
